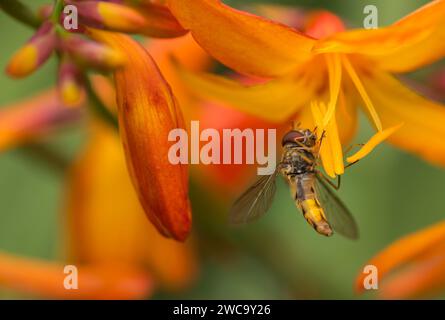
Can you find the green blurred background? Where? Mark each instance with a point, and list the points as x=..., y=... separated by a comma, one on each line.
x=391, y=193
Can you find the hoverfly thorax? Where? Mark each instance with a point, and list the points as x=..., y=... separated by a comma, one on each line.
x=298, y=152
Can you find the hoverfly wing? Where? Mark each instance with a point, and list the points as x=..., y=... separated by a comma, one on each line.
x=255, y=201
x=337, y=213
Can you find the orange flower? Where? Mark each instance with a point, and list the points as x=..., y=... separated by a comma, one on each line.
x=320, y=77
x=119, y=255
x=147, y=112
x=412, y=266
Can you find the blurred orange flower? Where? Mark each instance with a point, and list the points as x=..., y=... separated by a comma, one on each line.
x=327, y=68
x=119, y=255
x=411, y=267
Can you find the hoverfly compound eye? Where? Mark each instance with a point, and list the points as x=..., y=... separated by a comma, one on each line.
x=292, y=137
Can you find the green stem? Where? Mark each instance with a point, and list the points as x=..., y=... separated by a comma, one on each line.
x=47, y=155
x=57, y=11
x=99, y=108
x=20, y=12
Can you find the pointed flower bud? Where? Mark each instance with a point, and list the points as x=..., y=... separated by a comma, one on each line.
x=147, y=112
x=69, y=85
x=34, y=54
x=93, y=54
x=111, y=16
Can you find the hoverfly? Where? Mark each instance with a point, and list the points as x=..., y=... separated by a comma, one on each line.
x=321, y=208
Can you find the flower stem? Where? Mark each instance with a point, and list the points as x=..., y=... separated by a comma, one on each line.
x=99, y=108
x=20, y=12
x=47, y=155
x=57, y=11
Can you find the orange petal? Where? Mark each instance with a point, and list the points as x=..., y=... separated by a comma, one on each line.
x=410, y=43
x=242, y=41
x=159, y=21
x=403, y=251
x=378, y=138
x=346, y=116
x=288, y=15
x=33, y=118
x=274, y=101
x=187, y=52
x=422, y=279
x=46, y=279
x=105, y=232
x=423, y=129
x=147, y=113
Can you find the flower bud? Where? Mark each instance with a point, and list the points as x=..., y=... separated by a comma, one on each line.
x=110, y=16
x=147, y=112
x=34, y=54
x=69, y=83
x=93, y=54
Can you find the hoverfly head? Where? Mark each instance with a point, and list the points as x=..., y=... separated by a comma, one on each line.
x=299, y=137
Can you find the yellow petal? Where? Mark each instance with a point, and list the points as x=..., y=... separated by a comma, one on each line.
x=423, y=131
x=408, y=44
x=378, y=138
x=244, y=42
x=332, y=138
x=275, y=101
x=335, y=81
x=346, y=115
x=403, y=251
x=326, y=150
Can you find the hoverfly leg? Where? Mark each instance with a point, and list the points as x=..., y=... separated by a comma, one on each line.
x=303, y=156
x=333, y=185
x=302, y=146
x=351, y=164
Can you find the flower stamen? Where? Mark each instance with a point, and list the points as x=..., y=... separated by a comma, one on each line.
x=362, y=91
x=375, y=140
